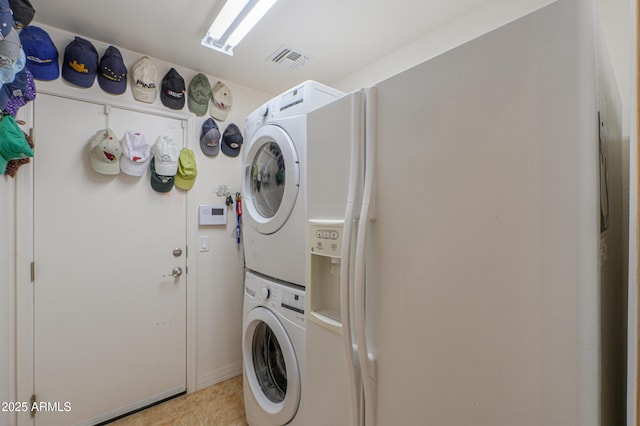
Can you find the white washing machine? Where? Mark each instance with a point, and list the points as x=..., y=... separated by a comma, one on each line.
x=273, y=349
x=274, y=168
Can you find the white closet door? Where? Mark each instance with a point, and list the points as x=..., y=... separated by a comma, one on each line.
x=110, y=320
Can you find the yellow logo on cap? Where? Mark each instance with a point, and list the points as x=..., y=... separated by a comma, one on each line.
x=78, y=67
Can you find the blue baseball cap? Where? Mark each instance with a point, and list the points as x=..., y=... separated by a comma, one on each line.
x=6, y=18
x=42, y=55
x=8, y=73
x=80, y=62
x=112, y=74
x=17, y=87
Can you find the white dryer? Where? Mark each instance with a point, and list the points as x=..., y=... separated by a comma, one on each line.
x=274, y=168
x=273, y=349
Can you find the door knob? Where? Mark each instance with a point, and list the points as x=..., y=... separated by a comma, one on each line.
x=176, y=272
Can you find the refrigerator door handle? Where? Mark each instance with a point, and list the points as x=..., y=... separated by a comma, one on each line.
x=366, y=359
x=350, y=221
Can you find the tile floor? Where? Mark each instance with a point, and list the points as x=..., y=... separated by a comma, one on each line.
x=218, y=405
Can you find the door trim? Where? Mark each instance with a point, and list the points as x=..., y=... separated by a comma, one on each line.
x=24, y=326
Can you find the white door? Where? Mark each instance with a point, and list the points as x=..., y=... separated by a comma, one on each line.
x=271, y=179
x=110, y=320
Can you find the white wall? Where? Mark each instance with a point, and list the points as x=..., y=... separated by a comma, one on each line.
x=474, y=24
x=614, y=17
x=7, y=280
x=218, y=272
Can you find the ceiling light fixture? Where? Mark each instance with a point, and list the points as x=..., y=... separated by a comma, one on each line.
x=234, y=21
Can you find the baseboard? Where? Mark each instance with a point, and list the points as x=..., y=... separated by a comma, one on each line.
x=219, y=375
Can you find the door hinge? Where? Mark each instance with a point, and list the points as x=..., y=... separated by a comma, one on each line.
x=33, y=401
x=33, y=271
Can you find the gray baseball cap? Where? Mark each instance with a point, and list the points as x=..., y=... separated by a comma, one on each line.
x=210, y=138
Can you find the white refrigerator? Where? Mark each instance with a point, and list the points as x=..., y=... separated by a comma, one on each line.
x=453, y=237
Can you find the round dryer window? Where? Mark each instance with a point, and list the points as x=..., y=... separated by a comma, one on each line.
x=271, y=366
x=271, y=178
x=268, y=176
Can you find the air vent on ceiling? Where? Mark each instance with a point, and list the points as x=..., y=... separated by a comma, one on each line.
x=288, y=57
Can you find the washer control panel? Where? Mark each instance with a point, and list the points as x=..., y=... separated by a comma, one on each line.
x=285, y=300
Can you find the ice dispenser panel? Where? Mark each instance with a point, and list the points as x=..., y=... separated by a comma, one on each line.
x=325, y=243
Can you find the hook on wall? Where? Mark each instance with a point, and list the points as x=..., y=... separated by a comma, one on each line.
x=224, y=191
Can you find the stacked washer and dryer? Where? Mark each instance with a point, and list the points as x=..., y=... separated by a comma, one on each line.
x=274, y=189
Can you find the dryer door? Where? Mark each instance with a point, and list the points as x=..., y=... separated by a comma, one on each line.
x=271, y=178
x=271, y=366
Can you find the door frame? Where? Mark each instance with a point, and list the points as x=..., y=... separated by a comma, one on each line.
x=24, y=352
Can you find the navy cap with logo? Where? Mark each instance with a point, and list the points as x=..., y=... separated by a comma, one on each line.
x=23, y=12
x=80, y=62
x=173, y=90
x=112, y=74
x=232, y=140
x=16, y=88
x=42, y=55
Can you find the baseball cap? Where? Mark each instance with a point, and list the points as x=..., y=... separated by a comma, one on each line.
x=210, y=138
x=13, y=144
x=166, y=153
x=160, y=183
x=112, y=74
x=187, y=170
x=16, y=100
x=23, y=13
x=80, y=62
x=232, y=140
x=6, y=18
x=41, y=53
x=136, y=153
x=16, y=88
x=10, y=48
x=105, y=152
x=221, y=100
x=8, y=72
x=199, y=94
x=144, y=77
x=173, y=90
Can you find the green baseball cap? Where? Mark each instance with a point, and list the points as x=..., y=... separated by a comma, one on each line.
x=187, y=171
x=199, y=94
x=13, y=144
x=158, y=182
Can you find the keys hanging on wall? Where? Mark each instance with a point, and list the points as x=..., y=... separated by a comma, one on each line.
x=238, y=215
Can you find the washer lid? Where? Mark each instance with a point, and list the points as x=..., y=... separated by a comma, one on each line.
x=271, y=366
x=271, y=179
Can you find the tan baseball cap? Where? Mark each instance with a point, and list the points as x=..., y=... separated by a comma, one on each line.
x=221, y=101
x=144, y=77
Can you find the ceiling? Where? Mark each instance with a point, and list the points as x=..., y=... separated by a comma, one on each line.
x=340, y=36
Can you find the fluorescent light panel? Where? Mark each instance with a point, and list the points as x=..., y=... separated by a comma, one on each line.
x=234, y=21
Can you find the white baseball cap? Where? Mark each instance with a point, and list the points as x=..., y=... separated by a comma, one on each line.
x=105, y=152
x=166, y=154
x=136, y=154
